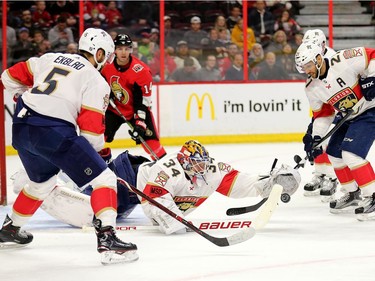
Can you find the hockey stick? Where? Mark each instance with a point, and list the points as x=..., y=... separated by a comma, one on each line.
x=301, y=162
x=112, y=103
x=265, y=214
x=236, y=238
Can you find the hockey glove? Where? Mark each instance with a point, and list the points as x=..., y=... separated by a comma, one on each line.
x=140, y=127
x=106, y=154
x=368, y=87
x=310, y=142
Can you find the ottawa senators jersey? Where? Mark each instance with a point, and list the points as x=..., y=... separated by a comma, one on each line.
x=167, y=176
x=65, y=87
x=131, y=85
x=338, y=90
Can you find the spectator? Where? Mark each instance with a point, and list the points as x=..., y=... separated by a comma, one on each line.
x=194, y=37
x=113, y=15
x=11, y=42
x=235, y=72
x=271, y=70
x=27, y=22
x=45, y=47
x=234, y=17
x=209, y=72
x=212, y=45
x=137, y=54
x=38, y=40
x=288, y=63
x=255, y=58
x=237, y=36
x=288, y=25
x=296, y=42
x=60, y=35
x=169, y=65
x=94, y=14
x=278, y=43
x=147, y=48
x=171, y=35
x=221, y=26
x=72, y=48
x=223, y=38
x=24, y=49
x=42, y=18
x=226, y=62
x=154, y=37
x=186, y=74
x=63, y=8
x=113, y=33
x=262, y=23
x=182, y=52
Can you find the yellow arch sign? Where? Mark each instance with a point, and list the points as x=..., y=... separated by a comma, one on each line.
x=200, y=103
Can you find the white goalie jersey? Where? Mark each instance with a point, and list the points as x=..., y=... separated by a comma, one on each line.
x=167, y=176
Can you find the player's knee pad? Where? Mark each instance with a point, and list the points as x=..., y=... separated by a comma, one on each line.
x=106, y=178
x=352, y=160
x=41, y=190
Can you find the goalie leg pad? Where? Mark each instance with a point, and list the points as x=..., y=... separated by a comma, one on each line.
x=69, y=206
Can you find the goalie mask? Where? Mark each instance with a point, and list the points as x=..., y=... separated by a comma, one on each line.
x=194, y=158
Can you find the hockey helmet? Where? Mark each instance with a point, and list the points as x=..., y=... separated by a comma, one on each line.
x=317, y=37
x=94, y=39
x=306, y=52
x=194, y=158
x=123, y=40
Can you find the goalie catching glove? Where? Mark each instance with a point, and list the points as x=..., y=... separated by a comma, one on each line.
x=285, y=176
x=140, y=127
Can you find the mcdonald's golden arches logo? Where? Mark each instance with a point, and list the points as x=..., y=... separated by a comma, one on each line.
x=200, y=104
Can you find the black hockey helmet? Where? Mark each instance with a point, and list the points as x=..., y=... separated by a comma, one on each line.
x=123, y=40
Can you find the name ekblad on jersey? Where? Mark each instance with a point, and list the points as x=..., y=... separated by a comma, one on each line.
x=352, y=53
x=137, y=67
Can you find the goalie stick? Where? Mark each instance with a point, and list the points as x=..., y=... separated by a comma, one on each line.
x=301, y=162
x=236, y=238
x=266, y=212
x=112, y=103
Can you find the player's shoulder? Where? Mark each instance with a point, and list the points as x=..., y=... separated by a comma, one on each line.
x=137, y=66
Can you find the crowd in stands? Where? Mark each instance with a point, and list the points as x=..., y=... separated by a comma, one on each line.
x=201, y=44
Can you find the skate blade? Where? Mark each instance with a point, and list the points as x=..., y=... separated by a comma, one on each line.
x=11, y=245
x=366, y=217
x=113, y=257
x=311, y=193
x=343, y=211
x=326, y=199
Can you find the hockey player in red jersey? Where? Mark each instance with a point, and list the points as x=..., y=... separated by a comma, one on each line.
x=59, y=95
x=131, y=88
x=336, y=85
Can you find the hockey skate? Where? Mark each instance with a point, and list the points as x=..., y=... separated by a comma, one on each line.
x=328, y=189
x=367, y=211
x=312, y=188
x=347, y=203
x=111, y=248
x=12, y=236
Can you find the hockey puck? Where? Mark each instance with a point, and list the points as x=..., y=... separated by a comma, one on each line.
x=285, y=197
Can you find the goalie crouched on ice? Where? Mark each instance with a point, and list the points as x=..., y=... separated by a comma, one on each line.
x=182, y=181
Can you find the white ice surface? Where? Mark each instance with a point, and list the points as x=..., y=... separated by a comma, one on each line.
x=303, y=241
